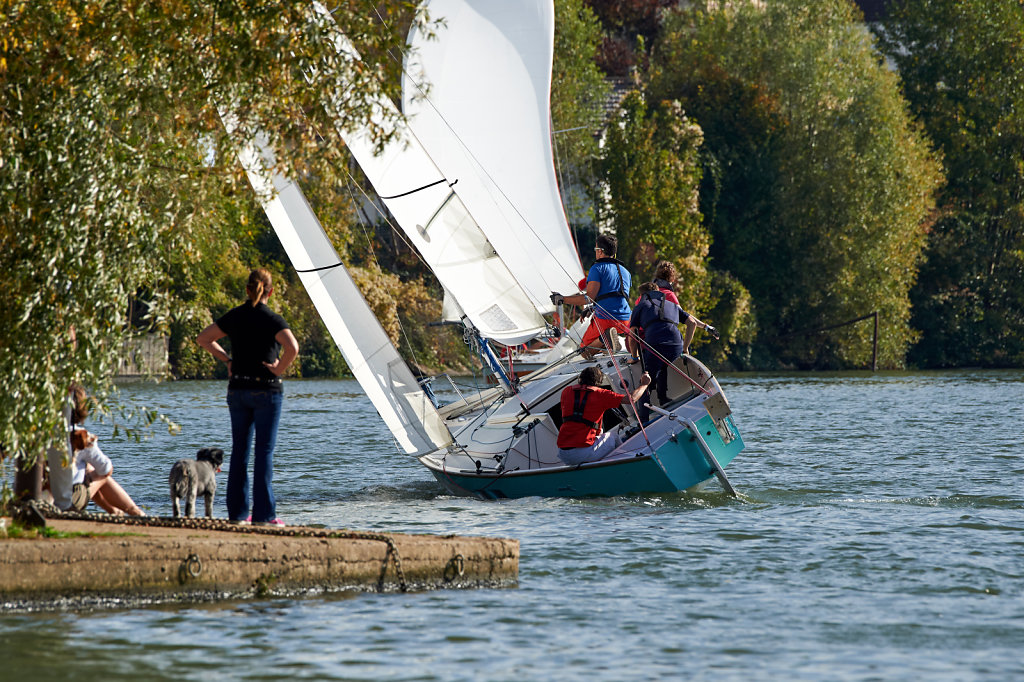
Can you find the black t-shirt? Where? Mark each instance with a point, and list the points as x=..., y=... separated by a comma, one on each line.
x=252, y=330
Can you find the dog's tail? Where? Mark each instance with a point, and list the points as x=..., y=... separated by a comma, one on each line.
x=182, y=478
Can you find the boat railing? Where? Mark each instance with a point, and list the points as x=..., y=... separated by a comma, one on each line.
x=451, y=382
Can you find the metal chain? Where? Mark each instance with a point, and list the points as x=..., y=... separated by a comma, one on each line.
x=50, y=511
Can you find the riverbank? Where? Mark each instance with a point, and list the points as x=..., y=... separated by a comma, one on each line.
x=92, y=563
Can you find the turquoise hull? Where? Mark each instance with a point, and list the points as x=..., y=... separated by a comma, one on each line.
x=680, y=465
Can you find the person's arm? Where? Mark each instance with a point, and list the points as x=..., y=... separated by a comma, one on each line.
x=289, y=351
x=691, y=327
x=705, y=326
x=98, y=465
x=593, y=289
x=632, y=343
x=638, y=392
x=208, y=339
x=92, y=476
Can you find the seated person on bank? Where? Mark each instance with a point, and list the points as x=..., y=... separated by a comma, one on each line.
x=88, y=477
x=581, y=438
x=607, y=287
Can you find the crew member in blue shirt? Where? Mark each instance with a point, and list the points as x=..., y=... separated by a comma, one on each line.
x=608, y=283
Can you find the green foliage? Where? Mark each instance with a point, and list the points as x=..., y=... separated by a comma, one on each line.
x=740, y=122
x=577, y=94
x=652, y=168
x=652, y=172
x=117, y=179
x=818, y=184
x=963, y=74
x=730, y=308
x=17, y=531
x=578, y=87
x=406, y=310
x=631, y=26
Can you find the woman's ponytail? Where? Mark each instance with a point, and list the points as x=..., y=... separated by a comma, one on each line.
x=258, y=286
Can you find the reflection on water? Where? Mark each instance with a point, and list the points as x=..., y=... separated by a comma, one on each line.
x=878, y=537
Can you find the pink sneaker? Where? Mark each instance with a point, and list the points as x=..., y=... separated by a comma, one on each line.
x=275, y=522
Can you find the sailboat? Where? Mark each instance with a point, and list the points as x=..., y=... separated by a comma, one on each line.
x=490, y=225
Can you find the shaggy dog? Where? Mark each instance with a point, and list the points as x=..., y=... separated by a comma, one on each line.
x=192, y=477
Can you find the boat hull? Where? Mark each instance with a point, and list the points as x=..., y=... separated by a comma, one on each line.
x=679, y=464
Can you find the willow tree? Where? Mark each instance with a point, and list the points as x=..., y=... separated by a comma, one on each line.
x=963, y=73
x=114, y=157
x=819, y=184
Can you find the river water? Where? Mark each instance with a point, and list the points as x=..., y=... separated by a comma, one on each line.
x=880, y=537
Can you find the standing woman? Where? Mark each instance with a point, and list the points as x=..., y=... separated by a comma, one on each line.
x=255, y=394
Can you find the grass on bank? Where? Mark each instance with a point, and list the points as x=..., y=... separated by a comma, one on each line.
x=12, y=530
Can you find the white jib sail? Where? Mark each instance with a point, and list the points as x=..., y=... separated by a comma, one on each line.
x=437, y=222
x=370, y=355
x=478, y=98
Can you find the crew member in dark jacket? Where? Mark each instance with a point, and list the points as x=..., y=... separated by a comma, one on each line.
x=656, y=320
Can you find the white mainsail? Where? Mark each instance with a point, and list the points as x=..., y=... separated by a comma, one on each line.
x=478, y=99
x=373, y=359
x=436, y=220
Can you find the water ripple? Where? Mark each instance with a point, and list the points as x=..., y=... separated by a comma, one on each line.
x=878, y=536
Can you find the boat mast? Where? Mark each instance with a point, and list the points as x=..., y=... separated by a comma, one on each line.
x=486, y=353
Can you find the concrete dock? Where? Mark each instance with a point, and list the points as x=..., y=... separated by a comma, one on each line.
x=129, y=561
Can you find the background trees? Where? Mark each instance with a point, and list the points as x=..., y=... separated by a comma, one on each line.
x=767, y=150
x=816, y=182
x=652, y=172
x=963, y=74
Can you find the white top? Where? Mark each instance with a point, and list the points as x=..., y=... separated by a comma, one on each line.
x=63, y=478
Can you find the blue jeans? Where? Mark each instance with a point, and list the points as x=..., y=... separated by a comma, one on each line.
x=259, y=411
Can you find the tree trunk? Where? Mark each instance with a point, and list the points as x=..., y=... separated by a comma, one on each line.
x=28, y=478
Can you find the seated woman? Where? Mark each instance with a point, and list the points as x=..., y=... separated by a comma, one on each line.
x=86, y=474
x=92, y=480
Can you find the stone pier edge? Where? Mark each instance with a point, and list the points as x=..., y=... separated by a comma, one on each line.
x=117, y=565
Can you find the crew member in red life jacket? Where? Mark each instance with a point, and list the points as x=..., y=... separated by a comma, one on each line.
x=580, y=438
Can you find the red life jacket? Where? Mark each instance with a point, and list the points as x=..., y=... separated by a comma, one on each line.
x=579, y=405
x=582, y=414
